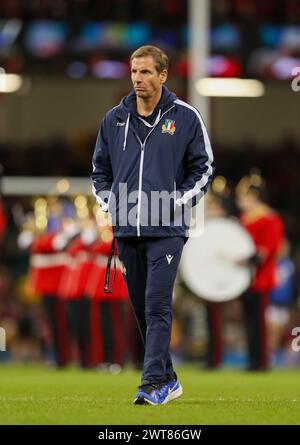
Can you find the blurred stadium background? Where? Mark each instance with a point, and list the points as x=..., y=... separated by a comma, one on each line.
x=71, y=61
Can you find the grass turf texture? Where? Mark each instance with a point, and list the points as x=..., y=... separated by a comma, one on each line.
x=36, y=395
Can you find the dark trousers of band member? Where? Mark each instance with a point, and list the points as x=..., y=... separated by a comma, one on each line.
x=78, y=311
x=254, y=307
x=55, y=309
x=151, y=265
x=214, y=335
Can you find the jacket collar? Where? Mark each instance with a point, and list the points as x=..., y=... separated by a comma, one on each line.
x=128, y=103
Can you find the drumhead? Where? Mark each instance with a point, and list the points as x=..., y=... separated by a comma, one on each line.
x=208, y=264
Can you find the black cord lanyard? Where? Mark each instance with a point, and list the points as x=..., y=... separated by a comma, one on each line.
x=108, y=290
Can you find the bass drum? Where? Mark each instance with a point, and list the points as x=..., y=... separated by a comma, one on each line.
x=209, y=262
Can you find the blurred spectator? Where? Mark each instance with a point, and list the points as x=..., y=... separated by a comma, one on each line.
x=282, y=299
x=265, y=227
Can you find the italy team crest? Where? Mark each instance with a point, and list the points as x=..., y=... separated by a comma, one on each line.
x=168, y=127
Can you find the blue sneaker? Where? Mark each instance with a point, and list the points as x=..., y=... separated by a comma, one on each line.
x=148, y=394
x=170, y=391
x=152, y=394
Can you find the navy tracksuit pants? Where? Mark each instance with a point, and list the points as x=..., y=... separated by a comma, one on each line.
x=150, y=269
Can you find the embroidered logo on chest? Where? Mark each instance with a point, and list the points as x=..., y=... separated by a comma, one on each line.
x=168, y=127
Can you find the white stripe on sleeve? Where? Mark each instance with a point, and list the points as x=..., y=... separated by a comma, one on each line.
x=205, y=177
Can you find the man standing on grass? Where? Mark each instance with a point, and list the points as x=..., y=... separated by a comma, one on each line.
x=152, y=163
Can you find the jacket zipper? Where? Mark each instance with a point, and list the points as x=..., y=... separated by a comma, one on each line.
x=174, y=197
x=138, y=223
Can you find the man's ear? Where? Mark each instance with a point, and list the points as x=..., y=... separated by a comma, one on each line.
x=163, y=76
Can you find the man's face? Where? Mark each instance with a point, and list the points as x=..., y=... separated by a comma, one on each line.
x=147, y=82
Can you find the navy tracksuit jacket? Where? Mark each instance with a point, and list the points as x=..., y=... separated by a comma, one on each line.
x=168, y=154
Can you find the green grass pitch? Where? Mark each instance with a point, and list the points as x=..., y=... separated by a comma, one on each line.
x=36, y=395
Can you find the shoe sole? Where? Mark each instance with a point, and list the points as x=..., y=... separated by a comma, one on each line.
x=172, y=396
x=140, y=401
